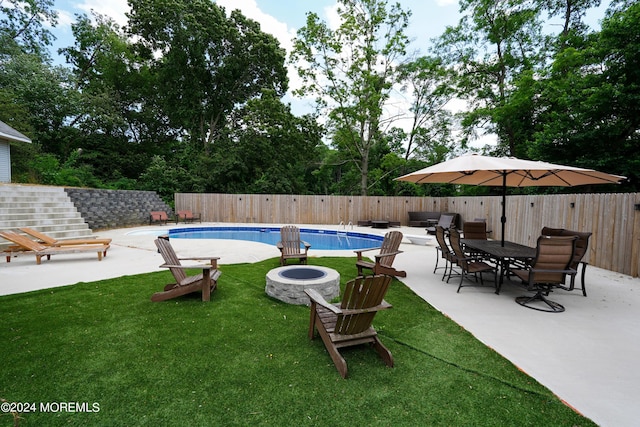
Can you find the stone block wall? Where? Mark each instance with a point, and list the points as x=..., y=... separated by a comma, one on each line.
x=103, y=209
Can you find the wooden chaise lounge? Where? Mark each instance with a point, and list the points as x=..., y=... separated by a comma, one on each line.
x=27, y=246
x=50, y=241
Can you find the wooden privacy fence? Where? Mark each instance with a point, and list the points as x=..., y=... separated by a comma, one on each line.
x=614, y=219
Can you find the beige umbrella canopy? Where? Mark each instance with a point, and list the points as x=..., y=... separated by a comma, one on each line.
x=475, y=169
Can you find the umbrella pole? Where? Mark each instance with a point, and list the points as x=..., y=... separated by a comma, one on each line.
x=503, y=220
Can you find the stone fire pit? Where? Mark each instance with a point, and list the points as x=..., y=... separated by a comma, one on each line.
x=288, y=283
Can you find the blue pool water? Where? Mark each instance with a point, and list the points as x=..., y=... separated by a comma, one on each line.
x=319, y=239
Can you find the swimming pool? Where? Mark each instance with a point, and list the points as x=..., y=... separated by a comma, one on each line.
x=319, y=239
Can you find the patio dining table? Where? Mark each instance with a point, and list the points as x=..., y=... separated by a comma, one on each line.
x=503, y=255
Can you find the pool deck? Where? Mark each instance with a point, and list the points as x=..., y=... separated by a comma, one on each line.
x=587, y=355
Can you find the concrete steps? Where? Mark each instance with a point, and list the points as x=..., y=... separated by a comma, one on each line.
x=46, y=209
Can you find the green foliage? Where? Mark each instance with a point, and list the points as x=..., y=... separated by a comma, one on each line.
x=163, y=178
x=208, y=110
x=590, y=101
x=210, y=63
x=23, y=26
x=245, y=358
x=351, y=70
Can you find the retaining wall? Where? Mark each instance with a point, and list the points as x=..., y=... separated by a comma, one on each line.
x=116, y=208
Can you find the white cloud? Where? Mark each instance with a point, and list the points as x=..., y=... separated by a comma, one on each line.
x=268, y=23
x=281, y=31
x=115, y=9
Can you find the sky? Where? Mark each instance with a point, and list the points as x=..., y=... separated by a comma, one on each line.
x=282, y=18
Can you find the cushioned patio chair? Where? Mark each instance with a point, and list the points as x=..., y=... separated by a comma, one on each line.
x=290, y=245
x=205, y=282
x=187, y=216
x=548, y=270
x=470, y=263
x=349, y=323
x=158, y=217
x=24, y=245
x=582, y=244
x=384, y=259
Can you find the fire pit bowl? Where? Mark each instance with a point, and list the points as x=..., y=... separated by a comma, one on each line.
x=288, y=283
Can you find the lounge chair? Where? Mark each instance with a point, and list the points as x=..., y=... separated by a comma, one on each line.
x=469, y=263
x=349, y=323
x=187, y=216
x=581, y=249
x=27, y=246
x=290, y=245
x=205, y=282
x=50, y=241
x=548, y=270
x=384, y=260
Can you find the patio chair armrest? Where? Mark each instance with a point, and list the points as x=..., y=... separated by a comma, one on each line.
x=213, y=260
x=316, y=298
x=387, y=254
x=185, y=267
x=359, y=251
x=306, y=244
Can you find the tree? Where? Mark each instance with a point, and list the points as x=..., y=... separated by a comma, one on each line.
x=267, y=149
x=590, y=100
x=205, y=63
x=22, y=26
x=495, y=44
x=427, y=83
x=351, y=71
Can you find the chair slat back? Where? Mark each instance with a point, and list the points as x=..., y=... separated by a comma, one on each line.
x=454, y=239
x=38, y=235
x=22, y=241
x=170, y=258
x=442, y=242
x=475, y=230
x=290, y=238
x=553, y=253
x=390, y=244
x=361, y=293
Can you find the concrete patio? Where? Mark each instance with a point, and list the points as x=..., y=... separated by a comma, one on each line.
x=586, y=355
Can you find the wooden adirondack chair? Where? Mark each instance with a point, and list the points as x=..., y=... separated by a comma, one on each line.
x=349, y=323
x=384, y=260
x=290, y=245
x=205, y=281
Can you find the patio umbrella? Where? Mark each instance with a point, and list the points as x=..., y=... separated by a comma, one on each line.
x=475, y=169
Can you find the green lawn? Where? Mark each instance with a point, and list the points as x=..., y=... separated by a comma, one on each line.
x=245, y=359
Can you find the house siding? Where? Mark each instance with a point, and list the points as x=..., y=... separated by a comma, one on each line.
x=5, y=162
